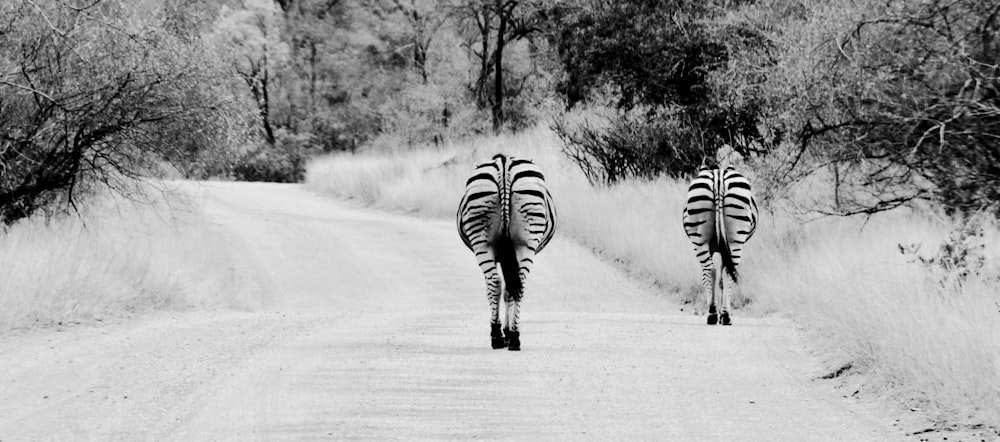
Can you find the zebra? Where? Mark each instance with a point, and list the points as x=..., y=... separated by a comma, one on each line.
x=506, y=217
x=719, y=217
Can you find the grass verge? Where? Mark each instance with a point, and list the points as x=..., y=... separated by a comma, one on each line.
x=116, y=259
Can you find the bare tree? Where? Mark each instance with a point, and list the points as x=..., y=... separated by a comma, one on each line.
x=902, y=105
x=495, y=24
x=252, y=33
x=424, y=19
x=257, y=75
x=88, y=98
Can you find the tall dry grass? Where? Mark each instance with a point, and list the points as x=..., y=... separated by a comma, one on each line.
x=913, y=330
x=116, y=259
x=920, y=332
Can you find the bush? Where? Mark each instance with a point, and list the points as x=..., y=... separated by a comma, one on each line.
x=285, y=162
x=959, y=256
x=633, y=144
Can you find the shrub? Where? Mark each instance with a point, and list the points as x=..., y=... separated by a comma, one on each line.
x=285, y=162
x=959, y=256
x=633, y=144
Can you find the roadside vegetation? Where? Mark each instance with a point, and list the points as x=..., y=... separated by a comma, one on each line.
x=117, y=259
x=96, y=99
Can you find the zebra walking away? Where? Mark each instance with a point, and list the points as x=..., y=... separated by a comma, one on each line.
x=720, y=216
x=506, y=217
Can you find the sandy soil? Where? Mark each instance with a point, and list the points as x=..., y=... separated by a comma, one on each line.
x=374, y=326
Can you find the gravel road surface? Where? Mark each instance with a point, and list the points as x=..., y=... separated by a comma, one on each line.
x=374, y=326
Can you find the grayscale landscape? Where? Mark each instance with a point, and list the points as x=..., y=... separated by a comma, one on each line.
x=762, y=220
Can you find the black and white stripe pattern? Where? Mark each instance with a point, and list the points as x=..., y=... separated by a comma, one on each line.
x=506, y=217
x=720, y=216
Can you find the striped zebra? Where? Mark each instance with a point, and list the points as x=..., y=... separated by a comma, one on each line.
x=506, y=217
x=720, y=216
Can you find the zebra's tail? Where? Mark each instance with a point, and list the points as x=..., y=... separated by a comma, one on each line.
x=509, y=265
x=727, y=260
x=720, y=224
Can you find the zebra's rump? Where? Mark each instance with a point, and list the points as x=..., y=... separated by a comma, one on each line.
x=720, y=208
x=506, y=198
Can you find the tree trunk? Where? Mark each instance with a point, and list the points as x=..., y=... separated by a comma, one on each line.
x=265, y=104
x=420, y=58
x=313, y=60
x=484, y=70
x=503, y=16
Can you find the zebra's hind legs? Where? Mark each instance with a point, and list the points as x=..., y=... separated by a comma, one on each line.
x=713, y=317
x=497, y=340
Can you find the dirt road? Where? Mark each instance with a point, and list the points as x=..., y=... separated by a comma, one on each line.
x=374, y=326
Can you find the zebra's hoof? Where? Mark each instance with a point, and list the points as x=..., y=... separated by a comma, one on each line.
x=713, y=319
x=496, y=337
x=725, y=319
x=514, y=341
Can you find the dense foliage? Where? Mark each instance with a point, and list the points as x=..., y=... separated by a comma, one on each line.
x=886, y=102
x=660, y=57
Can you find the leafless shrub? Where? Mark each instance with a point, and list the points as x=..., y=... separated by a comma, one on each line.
x=632, y=145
